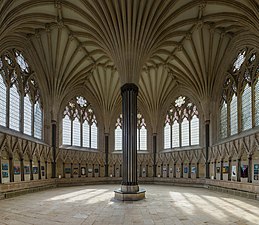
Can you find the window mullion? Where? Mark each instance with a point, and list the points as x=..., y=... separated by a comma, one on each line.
x=22, y=112
x=71, y=142
x=90, y=135
x=33, y=119
x=253, y=104
x=180, y=133
x=81, y=136
x=8, y=106
x=190, y=137
x=171, y=135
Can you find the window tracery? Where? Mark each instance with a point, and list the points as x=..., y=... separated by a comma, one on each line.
x=18, y=86
x=240, y=94
x=181, y=127
x=79, y=124
x=141, y=133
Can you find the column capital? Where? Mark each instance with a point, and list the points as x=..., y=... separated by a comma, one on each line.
x=129, y=87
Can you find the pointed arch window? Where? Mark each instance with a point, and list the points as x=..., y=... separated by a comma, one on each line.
x=94, y=135
x=118, y=134
x=76, y=132
x=185, y=132
x=141, y=133
x=18, y=85
x=181, y=127
x=15, y=114
x=167, y=135
x=2, y=99
x=66, y=130
x=240, y=94
x=195, y=130
x=223, y=120
x=257, y=102
x=79, y=124
x=246, y=108
x=233, y=116
x=27, y=115
x=38, y=120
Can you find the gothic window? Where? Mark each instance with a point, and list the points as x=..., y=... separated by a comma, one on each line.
x=2, y=99
x=118, y=134
x=246, y=108
x=76, y=132
x=223, y=120
x=181, y=126
x=195, y=134
x=185, y=132
x=167, y=135
x=37, y=120
x=94, y=135
x=14, y=111
x=175, y=135
x=233, y=116
x=141, y=133
x=18, y=86
x=27, y=115
x=66, y=131
x=79, y=124
x=257, y=102
x=86, y=132
x=240, y=94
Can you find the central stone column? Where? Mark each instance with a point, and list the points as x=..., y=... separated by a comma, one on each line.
x=129, y=187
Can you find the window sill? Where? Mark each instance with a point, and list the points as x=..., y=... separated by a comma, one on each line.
x=186, y=148
x=238, y=136
x=18, y=134
x=69, y=147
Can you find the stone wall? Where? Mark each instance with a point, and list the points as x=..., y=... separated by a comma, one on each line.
x=233, y=164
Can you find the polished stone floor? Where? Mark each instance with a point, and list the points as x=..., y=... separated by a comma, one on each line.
x=95, y=205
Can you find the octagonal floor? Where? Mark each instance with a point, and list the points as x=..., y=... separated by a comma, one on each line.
x=94, y=204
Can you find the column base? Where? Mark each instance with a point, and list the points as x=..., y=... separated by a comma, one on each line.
x=129, y=193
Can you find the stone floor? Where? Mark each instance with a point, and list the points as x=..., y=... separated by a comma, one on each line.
x=96, y=205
